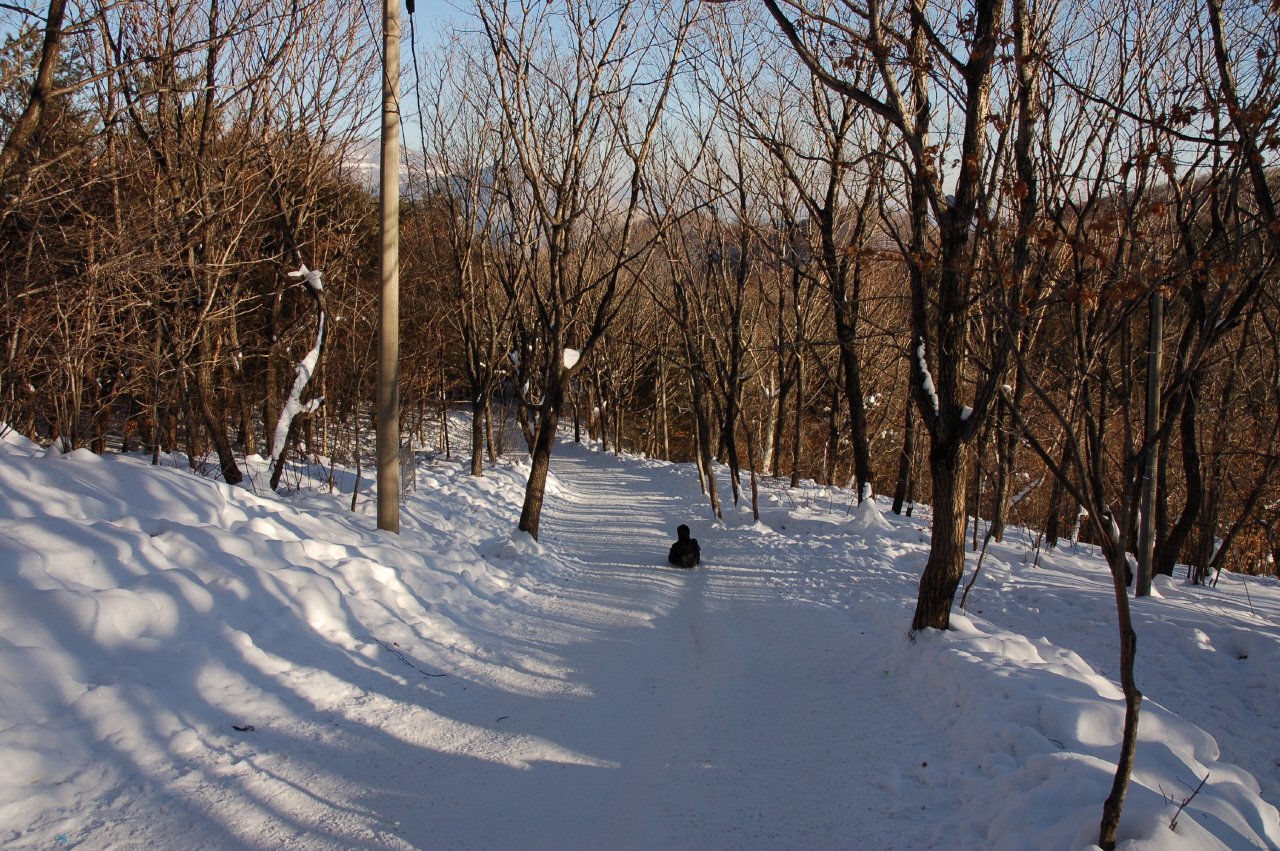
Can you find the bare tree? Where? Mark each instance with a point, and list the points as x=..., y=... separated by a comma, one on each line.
x=582, y=90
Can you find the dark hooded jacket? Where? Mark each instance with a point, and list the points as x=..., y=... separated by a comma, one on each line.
x=684, y=552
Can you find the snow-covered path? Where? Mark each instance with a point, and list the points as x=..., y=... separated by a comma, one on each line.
x=188, y=665
x=719, y=711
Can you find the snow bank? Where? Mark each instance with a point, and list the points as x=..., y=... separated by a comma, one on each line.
x=11, y=442
x=1030, y=730
x=146, y=613
x=1037, y=731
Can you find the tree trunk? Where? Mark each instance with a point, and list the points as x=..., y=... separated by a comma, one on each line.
x=1111, y=808
x=24, y=129
x=577, y=417
x=797, y=438
x=214, y=419
x=602, y=405
x=277, y=469
x=619, y=421
x=1163, y=524
x=102, y=421
x=785, y=373
x=729, y=437
x=479, y=415
x=1168, y=550
x=846, y=331
x=522, y=417
x=833, y=438
x=271, y=400
x=488, y=432
x=753, y=461
x=975, y=490
x=666, y=432
x=942, y=573
x=904, y=460
x=706, y=462
x=540, y=464
x=1054, y=521
x=1008, y=436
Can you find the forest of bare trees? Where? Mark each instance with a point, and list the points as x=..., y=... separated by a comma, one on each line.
x=913, y=249
x=920, y=249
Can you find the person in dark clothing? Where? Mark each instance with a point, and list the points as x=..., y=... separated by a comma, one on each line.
x=684, y=552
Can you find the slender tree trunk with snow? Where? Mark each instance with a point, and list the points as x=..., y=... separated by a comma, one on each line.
x=294, y=406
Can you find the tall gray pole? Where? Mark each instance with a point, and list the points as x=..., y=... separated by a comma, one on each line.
x=389, y=294
x=1147, y=531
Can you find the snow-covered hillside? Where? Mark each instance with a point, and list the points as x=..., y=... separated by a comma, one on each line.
x=188, y=665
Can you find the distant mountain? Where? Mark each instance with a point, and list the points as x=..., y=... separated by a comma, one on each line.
x=363, y=158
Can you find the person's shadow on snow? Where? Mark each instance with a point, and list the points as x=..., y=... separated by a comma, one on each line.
x=684, y=552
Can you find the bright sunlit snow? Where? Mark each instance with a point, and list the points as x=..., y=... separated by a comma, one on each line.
x=189, y=665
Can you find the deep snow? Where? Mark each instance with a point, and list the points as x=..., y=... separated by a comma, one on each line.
x=462, y=686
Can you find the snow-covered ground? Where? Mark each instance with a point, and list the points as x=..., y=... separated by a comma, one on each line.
x=187, y=665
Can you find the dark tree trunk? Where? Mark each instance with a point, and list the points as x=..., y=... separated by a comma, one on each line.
x=833, y=437
x=522, y=417
x=215, y=420
x=488, y=432
x=1009, y=434
x=479, y=416
x=271, y=400
x=540, y=463
x=904, y=460
x=846, y=332
x=577, y=417
x=24, y=128
x=1112, y=807
x=1163, y=524
x=797, y=439
x=102, y=422
x=1118, y=560
x=703, y=424
x=1168, y=550
x=277, y=469
x=753, y=461
x=975, y=489
x=729, y=437
x=1053, y=520
x=248, y=433
x=948, y=464
x=620, y=423
x=785, y=380
x=1203, y=538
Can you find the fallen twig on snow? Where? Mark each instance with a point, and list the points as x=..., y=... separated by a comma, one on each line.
x=403, y=658
x=1173, y=822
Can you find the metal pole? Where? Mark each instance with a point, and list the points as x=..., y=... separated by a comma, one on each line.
x=1146, y=533
x=389, y=295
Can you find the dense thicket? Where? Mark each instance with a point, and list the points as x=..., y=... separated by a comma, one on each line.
x=741, y=249
x=787, y=246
